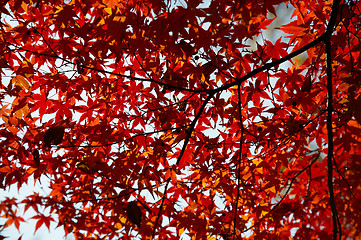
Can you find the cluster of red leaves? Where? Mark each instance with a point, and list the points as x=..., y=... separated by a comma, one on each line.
x=158, y=120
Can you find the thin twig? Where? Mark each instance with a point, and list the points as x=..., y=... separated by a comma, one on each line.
x=283, y=197
x=113, y=73
x=186, y=141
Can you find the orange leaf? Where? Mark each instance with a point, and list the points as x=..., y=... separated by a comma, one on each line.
x=294, y=30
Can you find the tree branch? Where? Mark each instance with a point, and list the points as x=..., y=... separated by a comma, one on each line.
x=332, y=22
x=272, y=64
x=110, y=72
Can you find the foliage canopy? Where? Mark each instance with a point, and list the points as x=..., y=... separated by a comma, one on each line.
x=153, y=119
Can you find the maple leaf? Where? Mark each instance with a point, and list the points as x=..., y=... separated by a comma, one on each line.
x=54, y=135
x=222, y=119
x=42, y=219
x=133, y=212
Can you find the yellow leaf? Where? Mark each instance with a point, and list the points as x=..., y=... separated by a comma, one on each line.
x=20, y=80
x=204, y=183
x=119, y=18
x=108, y=10
x=118, y=226
x=122, y=219
x=257, y=161
x=263, y=203
x=263, y=213
x=272, y=189
x=101, y=22
x=58, y=8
